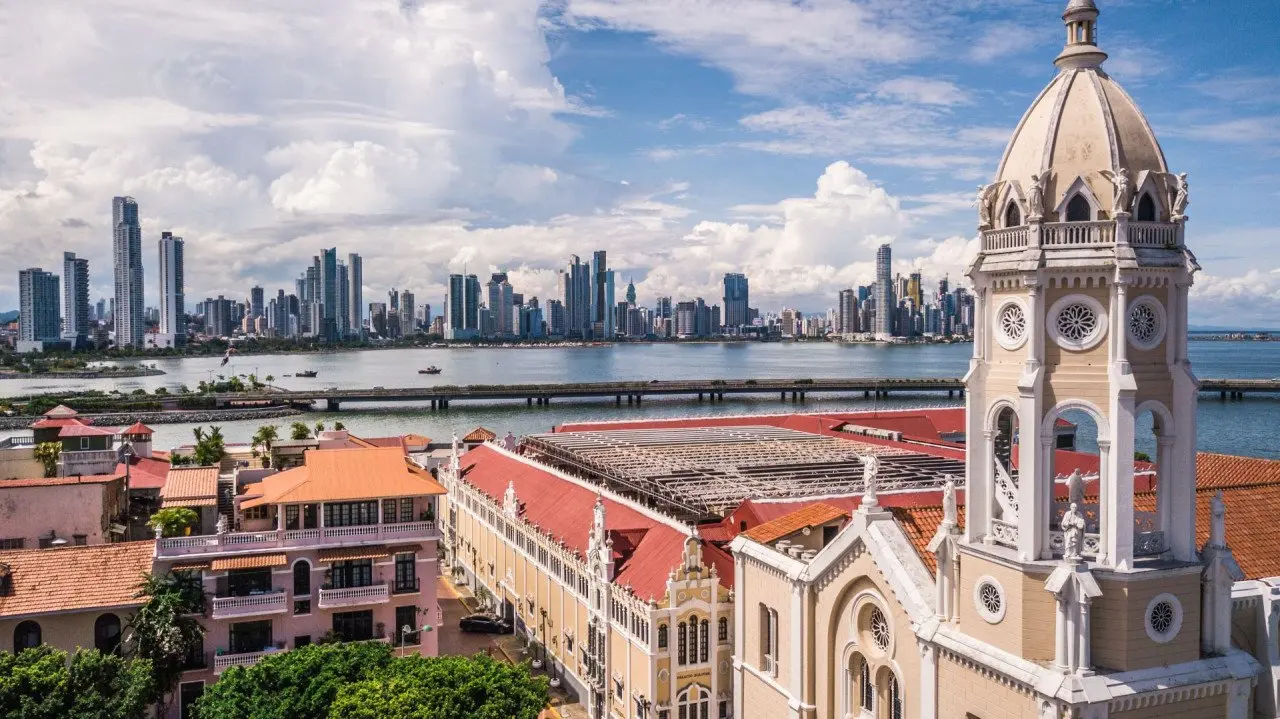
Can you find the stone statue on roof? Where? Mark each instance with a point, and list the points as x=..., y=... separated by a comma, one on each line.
x=1181, y=196
x=1218, y=522
x=1035, y=196
x=984, y=204
x=950, y=513
x=870, y=467
x=1072, y=525
x=221, y=526
x=1075, y=488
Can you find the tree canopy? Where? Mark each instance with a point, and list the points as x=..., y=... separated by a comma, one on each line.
x=362, y=680
x=210, y=447
x=164, y=631
x=41, y=683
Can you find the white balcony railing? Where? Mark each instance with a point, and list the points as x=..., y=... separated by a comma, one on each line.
x=223, y=662
x=1153, y=234
x=1006, y=240
x=354, y=596
x=301, y=538
x=252, y=605
x=1083, y=234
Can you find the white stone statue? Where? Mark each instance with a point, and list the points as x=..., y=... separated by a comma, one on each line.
x=870, y=467
x=159, y=532
x=984, y=204
x=1035, y=196
x=1075, y=488
x=950, y=513
x=1123, y=190
x=1218, y=522
x=1072, y=525
x=1181, y=197
x=220, y=527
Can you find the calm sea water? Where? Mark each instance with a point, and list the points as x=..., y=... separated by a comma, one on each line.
x=1244, y=427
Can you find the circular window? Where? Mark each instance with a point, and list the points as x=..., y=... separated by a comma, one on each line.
x=1146, y=323
x=1077, y=322
x=1011, y=324
x=1164, y=618
x=879, y=627
x=988, y=597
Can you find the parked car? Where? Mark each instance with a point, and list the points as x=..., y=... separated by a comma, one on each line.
x=484, y=624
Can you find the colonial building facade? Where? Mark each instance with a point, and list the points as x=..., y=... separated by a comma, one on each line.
x=1054, y=596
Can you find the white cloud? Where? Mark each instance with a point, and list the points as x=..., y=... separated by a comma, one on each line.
x=1000, y=40
x=923, y=90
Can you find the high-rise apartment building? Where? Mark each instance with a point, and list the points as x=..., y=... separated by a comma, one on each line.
x=462, y=307
x=736, y=299
x=501, y=299
x=256, y=298
x=915, y=292
x=127, y=257
x=355, y=294
x=329, y=289
x=37, y=307
x=407, y=311
x=847, y=313
x=173, y=322
x=885, y=303
x=471, y=302
x=602, y=296
x=343, y=316
x=576, y=282
x=75, y=300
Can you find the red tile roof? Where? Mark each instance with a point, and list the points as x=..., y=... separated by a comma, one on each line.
x=70, y=579
x=479, y=434
x=84, y=430
x=59, y=481
x=645, y=549
x=335, y=475
x=145, y=472
x=50, y=423
x=138, y=428
x=61, y=411
x=809, y=516
x=1223, y=470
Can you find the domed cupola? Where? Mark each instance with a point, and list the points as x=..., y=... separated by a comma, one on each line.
x=1083, y=151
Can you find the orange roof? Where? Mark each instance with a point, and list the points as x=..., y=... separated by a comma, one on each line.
x=73, y=579
x=61, y=411
x=84, y=430
x=190, y=487
x=345, y=554
x=336, y=475
x=137, y=428
x=786, y=525
x=920, y=524
x=253, y=561
x=59, y=481
x=1224, y=470
x=416, y=440
x=479, y=434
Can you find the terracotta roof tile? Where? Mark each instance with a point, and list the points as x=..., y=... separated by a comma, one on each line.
x=76, y=429
x=190, y=567
x=920, y=524
x=137, y=428
x=1223, y=470
x=345, y=554
x=335, y=475
x=479, y=434
x=146, y=472
x=252, y=561
x=59, y=481
x=810, y=516
x=71, y=579
x=61, y=411
x=190, y=487
x=51, y=422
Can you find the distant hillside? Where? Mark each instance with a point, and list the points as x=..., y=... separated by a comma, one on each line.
x=6, y=317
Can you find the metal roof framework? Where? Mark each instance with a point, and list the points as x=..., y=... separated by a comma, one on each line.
x=696, y=472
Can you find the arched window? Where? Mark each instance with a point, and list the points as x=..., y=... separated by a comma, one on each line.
x=26, y=636
x=1146, y=208
x=722, y=627
x=895, y=698
x=1012, y=215
x=682, y=642
x=694, y=703
x=1078, y=209
x=662, y=636
x=106, y=633
x=703, y=640
x=302, y=578
x=866, y=690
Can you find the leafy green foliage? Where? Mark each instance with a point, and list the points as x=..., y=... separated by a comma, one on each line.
x=210, y=446
x=299, y=430
x=41, y=683
x=177, y=459
x=363, y=681
x=47, y=453
x=165, y=631
x=266, y=435
x=172, y=521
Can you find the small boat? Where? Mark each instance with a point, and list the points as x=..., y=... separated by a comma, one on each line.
x=305, y=373
x=430, y=370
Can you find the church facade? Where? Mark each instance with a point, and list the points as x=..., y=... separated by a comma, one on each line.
x=1053, y=596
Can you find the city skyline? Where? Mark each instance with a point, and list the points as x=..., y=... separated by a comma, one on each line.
x=746, y=156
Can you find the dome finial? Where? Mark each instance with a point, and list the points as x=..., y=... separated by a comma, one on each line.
x=1081, y=51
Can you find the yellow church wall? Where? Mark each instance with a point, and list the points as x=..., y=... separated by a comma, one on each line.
x=760, y=700
x=762, y=586
x=964, y=691
x=1203, y=708
x=1022, y=605
x=1119, y=637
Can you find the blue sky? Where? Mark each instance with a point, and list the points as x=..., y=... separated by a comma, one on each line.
x=687, y=137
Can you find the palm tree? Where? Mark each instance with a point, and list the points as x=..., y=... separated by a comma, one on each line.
x=338, y=426
x=299, y=430
x=264, y=437
x=319, y=428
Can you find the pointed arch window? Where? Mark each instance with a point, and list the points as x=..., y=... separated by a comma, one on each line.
x=895, y=698
x=703, y=641
x=1012, y=214
x=1146, y=208
x=866, y=690
x=682, y=642
x=1078, y=209
x=662, y=636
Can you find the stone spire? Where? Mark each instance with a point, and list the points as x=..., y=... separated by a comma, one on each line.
x=1081, y=51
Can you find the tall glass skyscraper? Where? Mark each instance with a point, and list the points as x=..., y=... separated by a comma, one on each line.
x=736, y=300
x=75, y=299
x=886, y=308
x=355, y=291
x=329, y=288
x=173, y=320
x=127, y=255
x=37, y=306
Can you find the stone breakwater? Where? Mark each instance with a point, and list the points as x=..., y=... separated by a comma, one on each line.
x=191, y=416
x=86, y=374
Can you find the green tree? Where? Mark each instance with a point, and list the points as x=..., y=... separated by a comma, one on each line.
x=210, y=447
x=299, y=430
x=266, y=435
x=47, y=453
x=177, y=459
x=172, y=521
x=319, y=428
x=338, y=426
x=418, y=687
x=164, y=631
x=41, y=683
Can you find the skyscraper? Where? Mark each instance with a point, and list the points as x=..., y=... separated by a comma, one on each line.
x=736, y=299
x=847, y=312
x=256, y=297
x=885, y=305
x=173, y=321
x=329, y=294
x=471, y=302
x=406, y=313
x=75, y=300
x=631, y=292
x=343, y=317
x=462, y=307
x=602, y=298
x=500, y=301
x=355, y=294
x=37, y=306
x=127, y=255
x=576, y=286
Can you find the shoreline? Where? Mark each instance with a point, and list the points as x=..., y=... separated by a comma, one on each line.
x=87, y=374
x=191, y=416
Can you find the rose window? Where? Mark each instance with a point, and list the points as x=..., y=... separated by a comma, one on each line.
x=1013, y=322
x=879, y=627
x=990, y=597
x=1162, y=617
x=1146, y=324
x=1077, y=323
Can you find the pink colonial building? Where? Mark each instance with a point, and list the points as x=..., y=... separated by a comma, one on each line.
x=341, y=547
